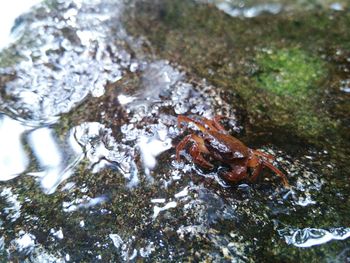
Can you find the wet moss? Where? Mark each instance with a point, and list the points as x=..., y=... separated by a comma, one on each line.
x=290, y=72
x=287, y=91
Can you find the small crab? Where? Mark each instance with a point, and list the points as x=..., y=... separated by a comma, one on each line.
x=214, y=141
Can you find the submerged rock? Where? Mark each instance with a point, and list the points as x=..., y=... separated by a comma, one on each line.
x=108, y=187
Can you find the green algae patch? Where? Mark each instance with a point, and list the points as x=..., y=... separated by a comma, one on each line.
x=289, y=71
x=293, y=82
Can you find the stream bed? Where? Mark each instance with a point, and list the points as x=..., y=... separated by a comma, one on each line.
x=90, y=93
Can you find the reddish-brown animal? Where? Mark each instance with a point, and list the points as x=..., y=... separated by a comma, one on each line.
x=213, y=140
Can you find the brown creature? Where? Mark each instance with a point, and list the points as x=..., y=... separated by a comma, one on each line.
x=214, y=141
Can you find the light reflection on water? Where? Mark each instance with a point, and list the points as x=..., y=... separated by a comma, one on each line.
x=250, y=9
x=53, y=167
x=57, y=160
x=273, y=8
x=100, y=148
x=64, y=57
x=152, y=146
x=308, y=237
x=8, y=13
x=13, y=159
x=49, y=156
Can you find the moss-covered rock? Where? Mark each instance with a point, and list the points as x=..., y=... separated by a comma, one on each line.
x=289, y=72
x=293, y=81
x=282, y=66
x=283, y=73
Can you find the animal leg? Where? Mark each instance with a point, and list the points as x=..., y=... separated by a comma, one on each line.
x=237, y=174
x=195, y=150
x=182, y=144
x=278, y=172
x=214, y=125
x=198, y=158
x=257, y=163
x=199, y=125
x=217, y=123
x=265, y=155
x=256, y=172
x=182, y=118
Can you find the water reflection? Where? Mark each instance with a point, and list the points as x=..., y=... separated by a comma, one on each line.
x=25, y=242
x=100, y=148
x=53, y=168
x=308, y=237
x=13, y=205
x=83, y=203
x=249, y=9
x=56, y=162
x=13, y=159
x=345, y=85
x=123, y=246
x=232, y=10
x=157, y=209
x=8, y=14
x=64, y=57
x=151, y=146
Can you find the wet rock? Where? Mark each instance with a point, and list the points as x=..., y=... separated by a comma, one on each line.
x=117, y=193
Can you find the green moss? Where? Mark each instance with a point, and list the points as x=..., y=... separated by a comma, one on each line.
x=289, y=71
x=292, y=80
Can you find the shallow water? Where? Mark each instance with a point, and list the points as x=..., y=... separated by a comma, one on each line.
x=90, y=94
